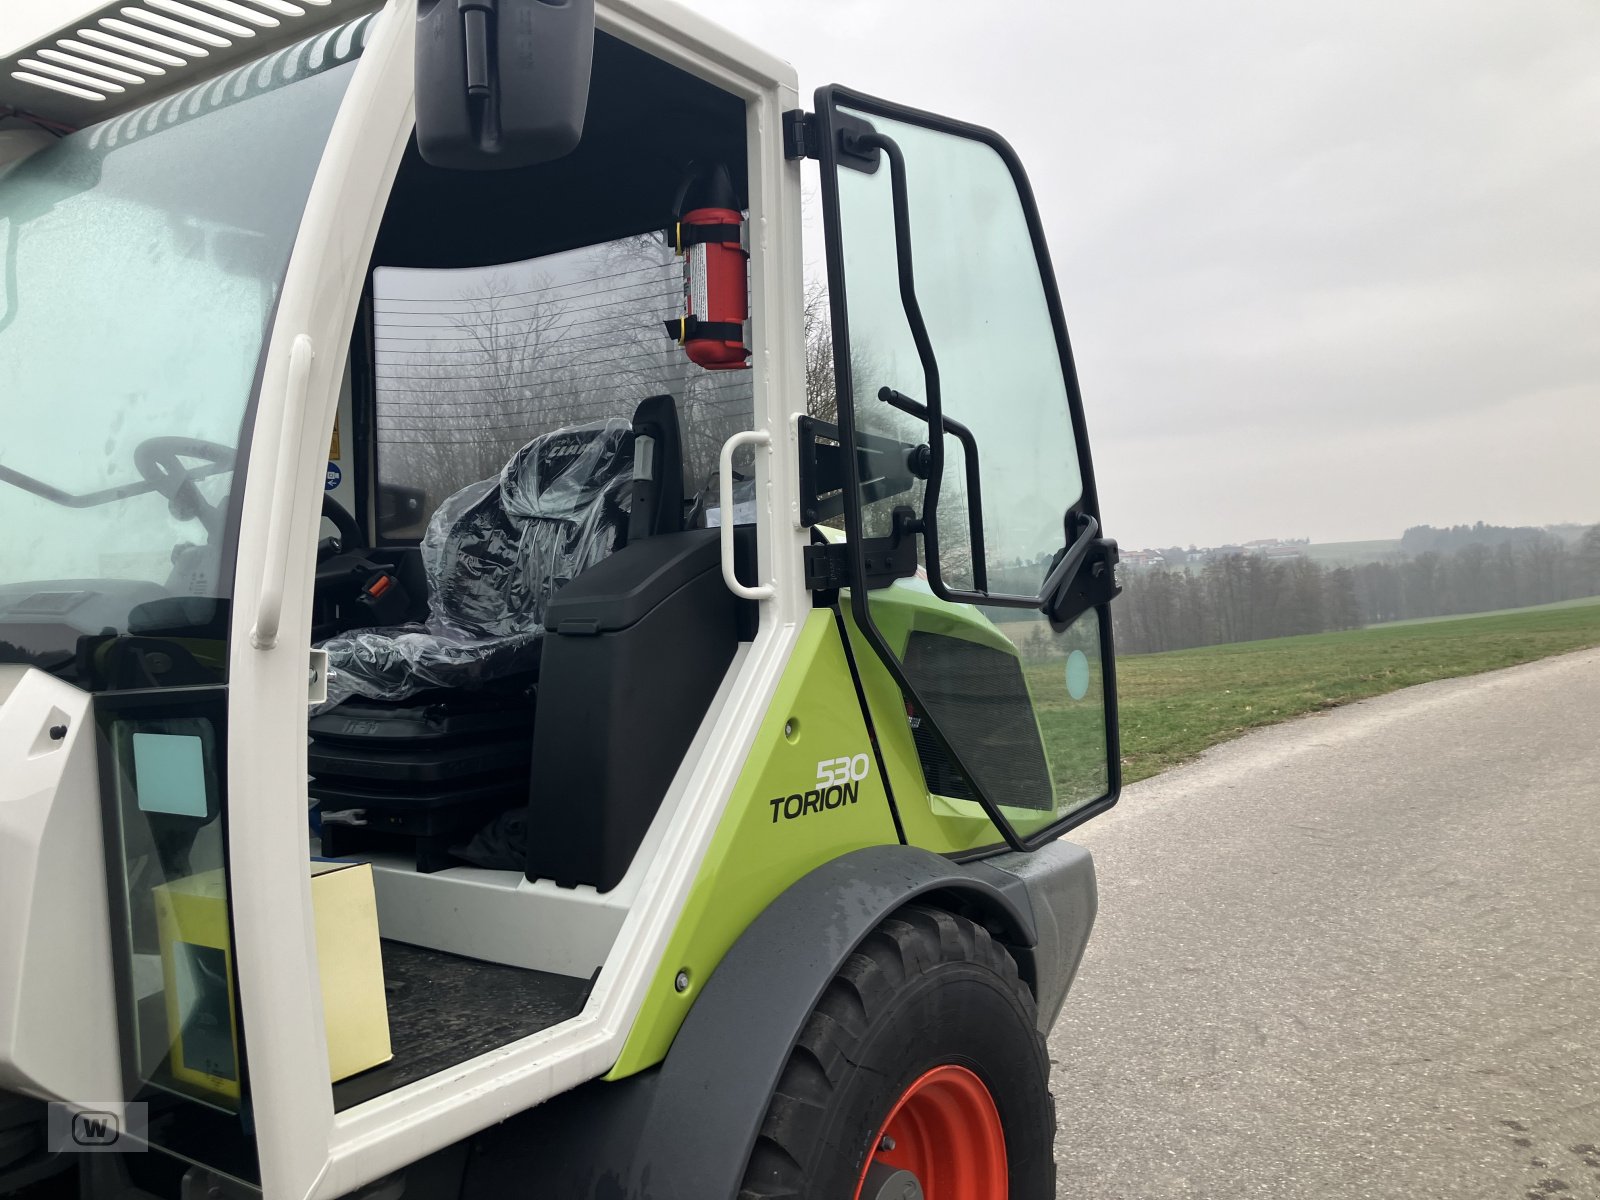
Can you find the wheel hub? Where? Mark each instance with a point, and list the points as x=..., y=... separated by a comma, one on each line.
x=884, y=1182
x=942, y=1140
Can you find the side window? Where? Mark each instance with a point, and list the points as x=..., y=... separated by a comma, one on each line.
x=948, y=334
x=471, y=364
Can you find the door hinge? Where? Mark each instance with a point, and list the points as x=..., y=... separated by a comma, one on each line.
x=800, y=134
x=827, y=564
x=1094, y=584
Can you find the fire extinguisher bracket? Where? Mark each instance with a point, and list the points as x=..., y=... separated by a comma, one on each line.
x=688, y=329
x=682, y=236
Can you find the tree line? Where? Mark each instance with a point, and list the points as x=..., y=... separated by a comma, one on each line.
x=1242, y=597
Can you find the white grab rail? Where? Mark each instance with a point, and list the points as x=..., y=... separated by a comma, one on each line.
x=269, y=603
x=748, y=437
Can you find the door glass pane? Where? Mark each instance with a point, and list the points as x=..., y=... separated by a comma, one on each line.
x=1022, y=706
x=164, y=771
x=981, y=294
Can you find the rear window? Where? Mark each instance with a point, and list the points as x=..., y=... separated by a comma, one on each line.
x=471, y=364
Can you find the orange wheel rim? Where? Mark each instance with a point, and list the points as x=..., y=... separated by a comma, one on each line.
x=946, y=1131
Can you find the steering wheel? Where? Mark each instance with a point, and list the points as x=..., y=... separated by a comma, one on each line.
x=351, y=535
x=159, y=460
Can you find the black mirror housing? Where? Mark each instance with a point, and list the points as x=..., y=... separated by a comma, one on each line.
x=501, y=83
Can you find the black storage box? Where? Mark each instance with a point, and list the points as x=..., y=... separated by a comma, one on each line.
x=634, y=651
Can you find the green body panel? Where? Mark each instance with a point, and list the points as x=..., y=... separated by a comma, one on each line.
x=936, y=823
x=758, y=850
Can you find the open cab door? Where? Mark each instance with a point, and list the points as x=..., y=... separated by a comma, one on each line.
x=980, y=579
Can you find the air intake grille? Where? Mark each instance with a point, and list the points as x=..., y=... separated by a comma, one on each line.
x=126, y=55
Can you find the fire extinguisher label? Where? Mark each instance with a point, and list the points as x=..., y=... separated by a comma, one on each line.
x=697, y=284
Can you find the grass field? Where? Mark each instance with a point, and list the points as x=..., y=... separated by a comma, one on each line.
x=1581, y=602
x=1175, y=705
x=1353, y=554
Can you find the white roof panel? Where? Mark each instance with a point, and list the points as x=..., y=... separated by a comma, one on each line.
x=130, y=52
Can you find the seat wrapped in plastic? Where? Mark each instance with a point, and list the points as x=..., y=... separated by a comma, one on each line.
x=494, y=553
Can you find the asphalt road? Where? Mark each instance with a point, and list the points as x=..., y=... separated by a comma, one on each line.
x=1353, y=956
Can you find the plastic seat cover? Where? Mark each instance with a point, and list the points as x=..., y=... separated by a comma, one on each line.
x=494, y=553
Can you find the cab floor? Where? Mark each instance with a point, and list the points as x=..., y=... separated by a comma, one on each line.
x=445, y=1009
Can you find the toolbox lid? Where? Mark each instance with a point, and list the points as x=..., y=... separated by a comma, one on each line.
x=618, y=591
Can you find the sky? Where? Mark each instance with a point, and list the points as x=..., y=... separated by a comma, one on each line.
x=1329, y=270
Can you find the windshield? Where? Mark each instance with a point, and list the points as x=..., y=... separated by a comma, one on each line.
x=142, y=262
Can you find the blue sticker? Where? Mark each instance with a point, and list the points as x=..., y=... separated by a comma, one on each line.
x=1077, y=674
x=334, y=476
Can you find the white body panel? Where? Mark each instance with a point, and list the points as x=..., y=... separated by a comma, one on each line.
x=58, y=1010
x=306, y=1150
x=502, y=917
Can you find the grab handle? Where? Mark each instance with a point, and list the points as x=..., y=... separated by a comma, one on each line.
x=748, y=437
x=269, y=603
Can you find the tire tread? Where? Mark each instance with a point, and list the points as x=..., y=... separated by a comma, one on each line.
x=907, y=944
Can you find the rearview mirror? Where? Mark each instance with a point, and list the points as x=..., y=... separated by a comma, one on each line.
x=501, y=83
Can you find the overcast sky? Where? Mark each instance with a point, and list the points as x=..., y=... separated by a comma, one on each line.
x=1330, y=270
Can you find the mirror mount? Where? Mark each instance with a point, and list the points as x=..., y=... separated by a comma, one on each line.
x=501, y=84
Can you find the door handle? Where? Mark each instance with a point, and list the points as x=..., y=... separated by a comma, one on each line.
x=747, y=437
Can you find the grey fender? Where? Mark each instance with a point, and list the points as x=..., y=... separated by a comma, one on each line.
x=726, y=1060
x=685, y=1130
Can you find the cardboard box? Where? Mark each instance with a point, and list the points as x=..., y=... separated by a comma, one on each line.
x=355, y=1008
x=197, y=970
x=197, y=975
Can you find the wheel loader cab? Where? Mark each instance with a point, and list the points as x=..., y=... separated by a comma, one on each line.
x=520, y=596
x=453, y=428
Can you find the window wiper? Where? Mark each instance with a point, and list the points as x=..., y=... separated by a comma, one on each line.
x=55, y=495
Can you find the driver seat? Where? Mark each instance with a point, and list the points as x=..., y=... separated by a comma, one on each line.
x=494, y=554
x=399, y=758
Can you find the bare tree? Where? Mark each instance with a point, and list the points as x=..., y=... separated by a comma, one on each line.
x=514, y=357
x=822, y=395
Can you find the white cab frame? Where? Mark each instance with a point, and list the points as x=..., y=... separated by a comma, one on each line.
x=306, y=1150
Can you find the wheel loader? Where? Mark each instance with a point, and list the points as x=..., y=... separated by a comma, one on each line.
x=478, y=717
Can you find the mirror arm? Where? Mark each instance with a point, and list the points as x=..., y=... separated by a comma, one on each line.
x=969, y=444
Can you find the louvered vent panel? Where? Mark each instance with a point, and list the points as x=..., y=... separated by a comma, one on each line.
x=126, y=55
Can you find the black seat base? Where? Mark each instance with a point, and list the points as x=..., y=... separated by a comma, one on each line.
x=425, y=773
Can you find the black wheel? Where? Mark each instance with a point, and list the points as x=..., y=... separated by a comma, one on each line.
x=921, y=1061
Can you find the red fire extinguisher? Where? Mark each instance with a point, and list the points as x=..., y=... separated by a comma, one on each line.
x=711, y=240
